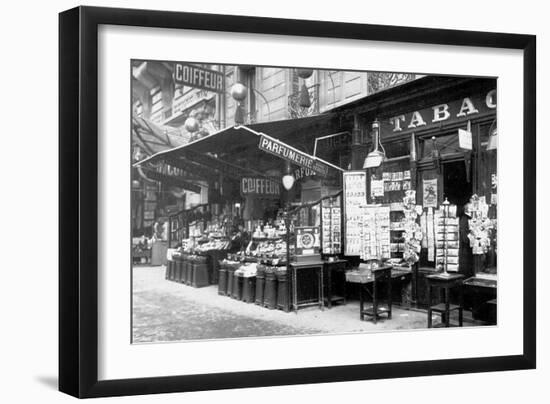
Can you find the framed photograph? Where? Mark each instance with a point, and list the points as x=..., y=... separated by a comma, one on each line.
x=193, y=149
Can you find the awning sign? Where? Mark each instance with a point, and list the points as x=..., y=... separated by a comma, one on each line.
x=199, y=77
x=260, y=187
x=285, y=152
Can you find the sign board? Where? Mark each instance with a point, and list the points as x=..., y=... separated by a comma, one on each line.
x=308, y=240
x=355, y=196
x=464, y=139
x=293, y=155
x=199, y=77
x=449, y=112
x=429, y=188
x=377, y=188
x=190, y=99
x=260, y=187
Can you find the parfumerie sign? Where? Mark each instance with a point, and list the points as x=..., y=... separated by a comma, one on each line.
x=260, y=187
x=283, y=151
x=199, y=77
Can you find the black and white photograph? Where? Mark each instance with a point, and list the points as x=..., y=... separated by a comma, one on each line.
x=272, y=201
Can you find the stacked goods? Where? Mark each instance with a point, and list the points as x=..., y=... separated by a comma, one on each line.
x=275, y=247
x=213, y=244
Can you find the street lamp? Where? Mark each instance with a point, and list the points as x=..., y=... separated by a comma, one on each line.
x=239, y=92
x=191, y=125
x=288, y=182
x=304, y=74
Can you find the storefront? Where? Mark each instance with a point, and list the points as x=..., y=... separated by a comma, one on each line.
x=273, y=201
x=436, y=142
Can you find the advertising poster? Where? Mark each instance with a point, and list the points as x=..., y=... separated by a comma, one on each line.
x=430, y=193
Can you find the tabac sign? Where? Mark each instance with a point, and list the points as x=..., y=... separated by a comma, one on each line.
x=199, y=77
x=453, y=111
x=293, y=155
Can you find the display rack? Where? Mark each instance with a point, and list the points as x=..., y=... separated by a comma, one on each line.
x=331, y=226
x=397, y=230
x=447, y=238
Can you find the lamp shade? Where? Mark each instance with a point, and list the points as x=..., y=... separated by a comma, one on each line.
x=374, y=159
x=288, y=181
x=304, y=73
x=191, y=125
x=238, y=91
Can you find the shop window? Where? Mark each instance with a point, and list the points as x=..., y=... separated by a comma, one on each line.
x=487, y=175
x=156, y=100
x=397, y=149
x=447, y=144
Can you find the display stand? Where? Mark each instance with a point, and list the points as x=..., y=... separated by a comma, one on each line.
x=446, y=239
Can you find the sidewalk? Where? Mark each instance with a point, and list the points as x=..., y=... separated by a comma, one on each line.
x=168, y=311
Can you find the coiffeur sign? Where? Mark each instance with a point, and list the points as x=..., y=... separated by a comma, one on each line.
x=199, y=77
x=260, y=187
x=294, y=156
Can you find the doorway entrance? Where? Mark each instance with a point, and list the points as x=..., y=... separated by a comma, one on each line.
x=456, y=187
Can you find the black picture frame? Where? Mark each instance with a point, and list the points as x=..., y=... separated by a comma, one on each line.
x=78, y=207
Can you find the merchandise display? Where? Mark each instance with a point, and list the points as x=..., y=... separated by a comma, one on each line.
x=212, y=244
x=480, y=225
x=331, y=226
x=394, y=183
x=447, y=237
x=375, y=232
x=355, y=197
x=397, y=230
x=272, y=248
x=412, y=234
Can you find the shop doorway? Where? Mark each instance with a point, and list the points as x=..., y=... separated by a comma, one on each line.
x=456, y=187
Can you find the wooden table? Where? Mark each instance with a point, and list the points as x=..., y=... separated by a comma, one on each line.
x=295, y=269
x=480, y=296
x=445, y=283
x=338, y=265
x=375, y=276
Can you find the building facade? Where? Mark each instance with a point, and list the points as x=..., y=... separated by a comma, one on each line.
x=171, y=99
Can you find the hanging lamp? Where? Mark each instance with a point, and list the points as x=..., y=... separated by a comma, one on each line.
x=375, y=157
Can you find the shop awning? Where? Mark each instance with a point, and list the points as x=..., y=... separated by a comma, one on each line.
x=153, y=138
x=235, y=151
